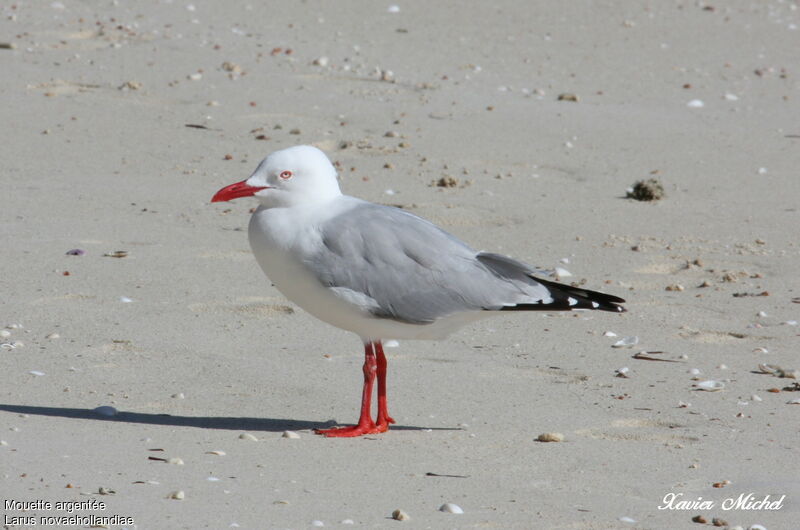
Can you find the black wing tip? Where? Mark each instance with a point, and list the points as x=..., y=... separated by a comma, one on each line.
x=567, y=298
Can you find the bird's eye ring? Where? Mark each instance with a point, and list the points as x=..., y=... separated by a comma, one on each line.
x=286, y=175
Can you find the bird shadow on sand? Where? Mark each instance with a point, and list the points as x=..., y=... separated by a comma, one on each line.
x=202, y=422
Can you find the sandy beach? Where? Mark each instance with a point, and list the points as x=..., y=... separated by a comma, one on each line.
x=516, y=126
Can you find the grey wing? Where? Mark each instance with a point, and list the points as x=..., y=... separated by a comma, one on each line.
x=412, y=271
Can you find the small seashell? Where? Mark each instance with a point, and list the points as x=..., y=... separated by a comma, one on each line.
x=14, y=326
x=348, y=521
x=768, y=368
x=761, y=314
x=623, y=372
x=4, y=333
x=683, y=405
x=197, y=76
x=795, y=401
x=449, y=507
x=106, y=411
x=789, y=323
x=179, y=395
x=756, y=398
x=761, y=350
x=391, y=343
x=116, y=254
x=550, y=437
x=694, y=371
x=609, y=334
x=626, y=519
x=400, y=515
x=626, y=342
x=290, y=434
x=125, y=299
x=177, y=495
x=175, y=461
x=731, y=97
x=212, y=479
x=52, y=336
x=247, y=436
x=217, y=453
x=36, y=372
x=696, y=104
x=757, y=527
x=710, y=385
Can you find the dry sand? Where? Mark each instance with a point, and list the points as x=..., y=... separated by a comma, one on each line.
x=97, y=155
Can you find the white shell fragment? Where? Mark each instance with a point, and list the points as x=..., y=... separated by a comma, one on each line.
x=696, y=104
x=623, y=372
x=4, y=333
x=216, y=453
x=290, y=434
x=626, y=342
x=106, y=411
x=177, y=495
x=795, y=401
x=400, y=515
x=36, y=372
x=175, y=461
x=561, y=272
x=247, y=436
x=710, y=385
x=609, y=334
x=449, y=507
x=626, y=519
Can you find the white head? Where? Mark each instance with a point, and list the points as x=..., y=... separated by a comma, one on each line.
x=297, y=175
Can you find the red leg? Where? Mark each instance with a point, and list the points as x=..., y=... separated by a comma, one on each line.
x=383, y=419
x=365, y=424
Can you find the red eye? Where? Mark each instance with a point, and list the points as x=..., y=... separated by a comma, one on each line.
x=286, y=175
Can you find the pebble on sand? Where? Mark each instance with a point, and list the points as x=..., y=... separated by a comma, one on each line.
x=247, y=436
x=400, y=515
x=177, y=495
x=449, y=507
x=550, y=437
x=646, y=190
x=290, y=434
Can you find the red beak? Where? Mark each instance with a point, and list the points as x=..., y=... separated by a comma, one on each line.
x=234, y=191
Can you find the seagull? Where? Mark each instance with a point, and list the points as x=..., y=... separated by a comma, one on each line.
x=379, y=271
